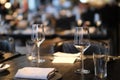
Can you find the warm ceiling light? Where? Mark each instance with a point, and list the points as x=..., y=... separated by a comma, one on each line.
x=79, y=22
x=83, y=1
x=97, y=2
x=7, y=5
x=119, y=4
x=2, y=1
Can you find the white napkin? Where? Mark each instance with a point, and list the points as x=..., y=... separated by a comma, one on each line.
x=62, y=54
x=34, y=73
x=60, y=57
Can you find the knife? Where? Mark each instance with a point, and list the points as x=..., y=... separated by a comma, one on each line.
x=15, y=55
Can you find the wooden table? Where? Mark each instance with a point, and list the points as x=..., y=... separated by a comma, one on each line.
x=65, y=69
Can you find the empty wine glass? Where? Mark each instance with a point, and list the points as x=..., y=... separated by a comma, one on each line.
x=38, y=36
x=81, y=42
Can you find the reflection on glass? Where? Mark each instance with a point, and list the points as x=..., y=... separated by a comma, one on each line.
x=38, y=36
x=81, y=42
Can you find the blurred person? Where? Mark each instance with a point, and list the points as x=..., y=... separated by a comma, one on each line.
x=65, y=4
x=3, y=11
x=25, y=8
x=88, y=14
x=77, y=12
x=51, y=10
x=56, y=3
x=111, y=19
x=15, y=5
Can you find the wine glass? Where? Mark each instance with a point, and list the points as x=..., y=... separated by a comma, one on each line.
x=81, y=42
x=38, y=36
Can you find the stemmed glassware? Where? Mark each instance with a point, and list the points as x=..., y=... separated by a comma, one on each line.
x=38, y=36
x=81, y=42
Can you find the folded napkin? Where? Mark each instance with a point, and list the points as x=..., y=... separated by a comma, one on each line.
x=60, y=57
x=62, y=54
x=35, y=73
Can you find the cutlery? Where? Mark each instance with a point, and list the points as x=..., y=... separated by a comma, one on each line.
x=11, y=57
x=2, y=65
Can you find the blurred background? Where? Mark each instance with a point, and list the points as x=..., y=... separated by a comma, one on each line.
x=60, y=17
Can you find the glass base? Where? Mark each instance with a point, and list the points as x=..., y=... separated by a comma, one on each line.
x=38, y=61
x=79, y=71
x=41, y=60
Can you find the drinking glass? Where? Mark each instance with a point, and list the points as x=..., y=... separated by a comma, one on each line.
x=81, y=42
x=100, y=58
x=38, y=36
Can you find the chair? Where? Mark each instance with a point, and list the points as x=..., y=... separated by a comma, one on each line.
x=7, y=44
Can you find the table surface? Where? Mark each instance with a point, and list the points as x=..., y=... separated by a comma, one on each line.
x=65, y=69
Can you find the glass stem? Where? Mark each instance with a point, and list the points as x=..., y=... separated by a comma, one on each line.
x=82, y=61
x=38, y=51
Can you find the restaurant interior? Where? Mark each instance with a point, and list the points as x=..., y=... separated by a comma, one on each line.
x=59, y=18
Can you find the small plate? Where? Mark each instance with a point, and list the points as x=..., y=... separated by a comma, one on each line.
x=6, y=66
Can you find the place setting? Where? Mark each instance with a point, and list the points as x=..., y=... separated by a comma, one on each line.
x=65, y=52
x=33, y=56
x=59, y=40
x=3, y=66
